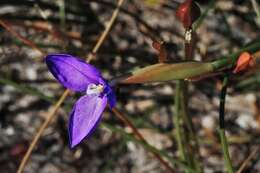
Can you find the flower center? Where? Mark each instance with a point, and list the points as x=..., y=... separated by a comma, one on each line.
x=94, y=89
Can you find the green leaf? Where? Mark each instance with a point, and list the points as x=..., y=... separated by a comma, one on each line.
x=166, y=72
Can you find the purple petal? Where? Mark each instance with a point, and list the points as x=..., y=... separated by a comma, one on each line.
x=110, y=93
x=111, y=99
x=72, y=72
x=84, y=117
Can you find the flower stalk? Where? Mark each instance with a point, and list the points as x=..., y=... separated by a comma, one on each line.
x=177, y=122
x=187, y=13
x=223, y=138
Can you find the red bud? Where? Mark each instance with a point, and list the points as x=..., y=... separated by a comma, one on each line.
x=187, y=13
x=162, y=53
x=244, y=61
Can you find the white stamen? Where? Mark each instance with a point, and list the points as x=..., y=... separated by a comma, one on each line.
x=188, y=35
x=94, y=89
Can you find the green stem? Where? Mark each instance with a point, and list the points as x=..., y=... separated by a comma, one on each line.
x=198, y=23
x=223, y=139
x=224, y=145
x=181, y=116
x=257, y=11
x=176, y=119
x=189, y=132
x=62, y=14
x=191, y=137
x=228, y=61
x=26, y=89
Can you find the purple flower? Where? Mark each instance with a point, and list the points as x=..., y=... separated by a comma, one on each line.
x=77, y=75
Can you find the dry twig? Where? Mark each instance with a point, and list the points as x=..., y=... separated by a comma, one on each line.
x=245, y=163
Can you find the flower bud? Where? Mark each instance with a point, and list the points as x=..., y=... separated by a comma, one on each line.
x=244, y=61
x=166, y=72
x=187, y=13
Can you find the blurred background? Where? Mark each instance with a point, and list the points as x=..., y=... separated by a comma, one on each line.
x=28, y=91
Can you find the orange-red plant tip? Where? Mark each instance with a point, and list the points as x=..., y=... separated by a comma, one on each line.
x=244, y=62
x=187, y=13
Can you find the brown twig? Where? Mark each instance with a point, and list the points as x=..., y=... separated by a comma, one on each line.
x=144, y=27
x=41, y=130
x=9, y=28
x=124, y=119
x=245, y=163
x=52, y=114
x=107, y=29
x=46, y=27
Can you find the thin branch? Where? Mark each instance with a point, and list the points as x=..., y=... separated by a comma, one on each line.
x=147, y=146
x=9, y=28
x=257, y=11
x=177, y=123
x=245, y=163
x=41, y=130
x=124, y=119
x=107, y=29
x=198, y=22
x=144, y=26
